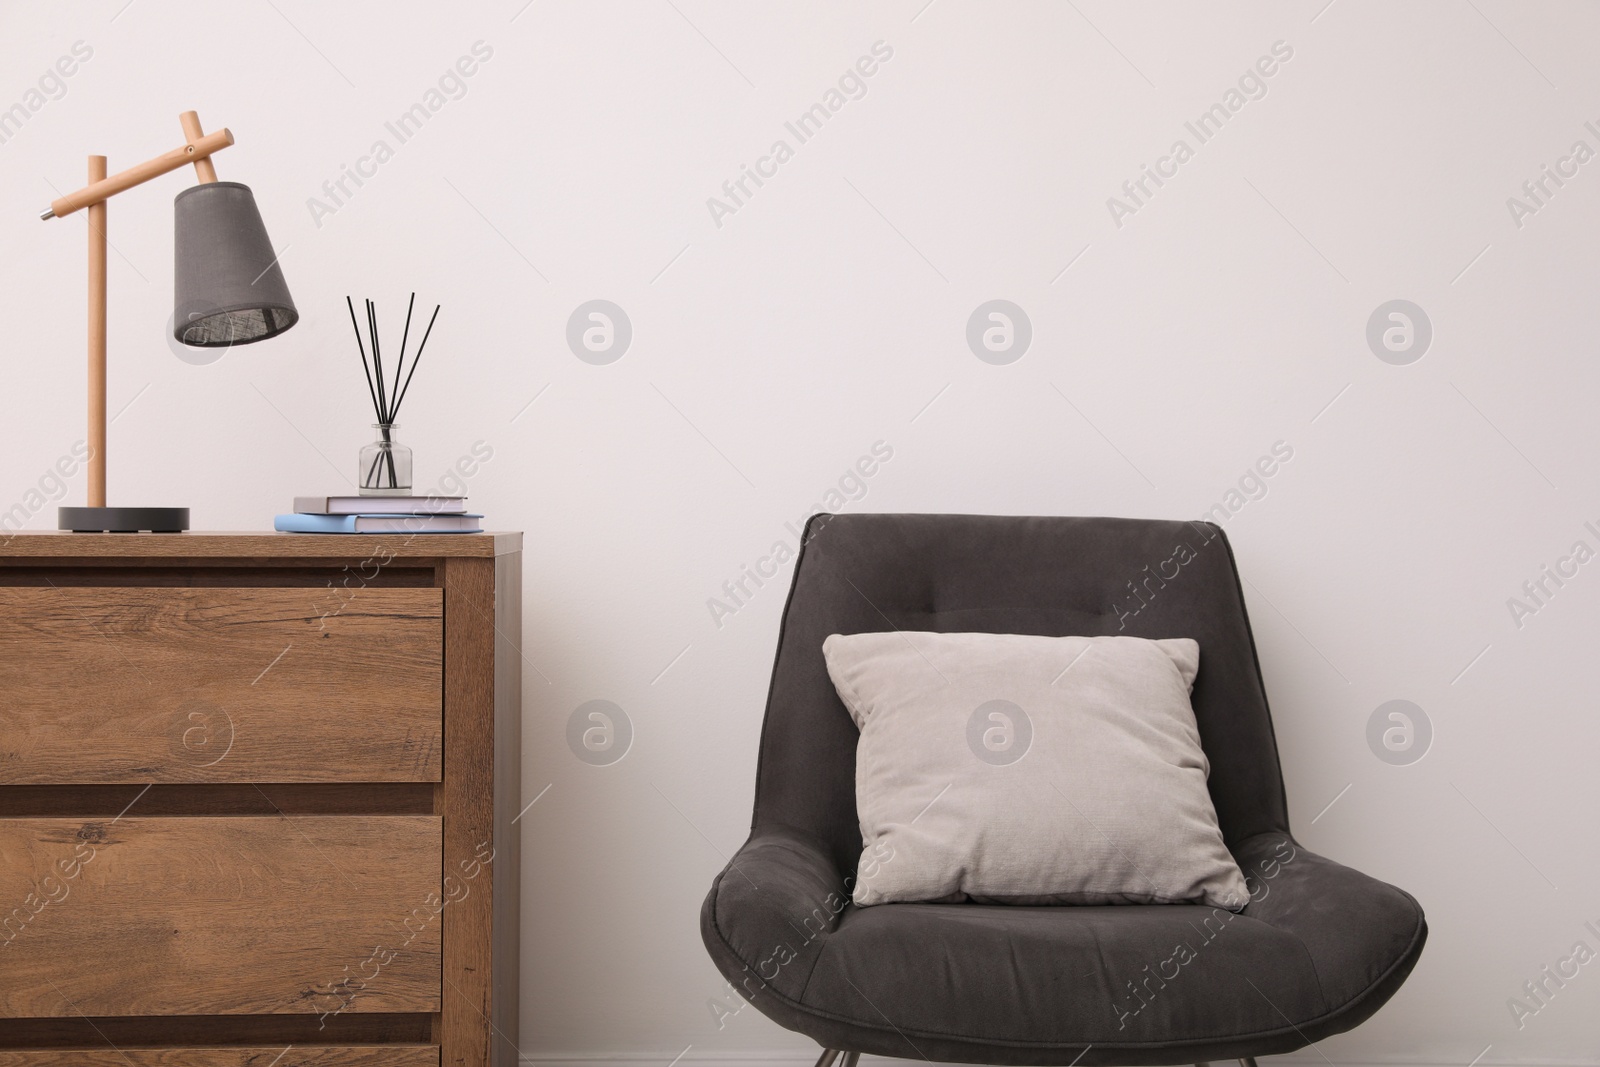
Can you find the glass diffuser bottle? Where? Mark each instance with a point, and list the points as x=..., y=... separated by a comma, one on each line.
x=385, y=464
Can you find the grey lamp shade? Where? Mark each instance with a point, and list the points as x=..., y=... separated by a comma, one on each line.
x=230, y=288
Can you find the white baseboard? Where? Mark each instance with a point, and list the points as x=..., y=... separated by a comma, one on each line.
x=695, y=1057
x=691, y=1057
x=755, y=1059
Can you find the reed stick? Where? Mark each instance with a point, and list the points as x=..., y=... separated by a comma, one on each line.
x=417, y=358
x=376, y=410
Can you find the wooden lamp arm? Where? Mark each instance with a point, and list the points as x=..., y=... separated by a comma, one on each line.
x=192, y=133
x=198, y=151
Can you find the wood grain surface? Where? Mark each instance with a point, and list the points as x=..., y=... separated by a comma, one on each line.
x=112, y=685
x=216, y=1031
x=228, y=915
x=480, y=799
x=466, y=1037
x=506, y=931
x=290, y=1056
x=83, y=547
x=213, y=572
x=276, y=798
x=225, y=804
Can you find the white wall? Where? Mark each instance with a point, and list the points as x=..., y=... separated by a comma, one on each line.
x=826, y=313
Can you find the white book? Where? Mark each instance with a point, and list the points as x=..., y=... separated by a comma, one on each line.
x=380, y=505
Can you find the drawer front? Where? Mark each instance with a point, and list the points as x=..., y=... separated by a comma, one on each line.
x=241, y=1056
x=119, y=685
x=315, y=914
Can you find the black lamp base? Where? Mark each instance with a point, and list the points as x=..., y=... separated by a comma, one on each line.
x=122, y=520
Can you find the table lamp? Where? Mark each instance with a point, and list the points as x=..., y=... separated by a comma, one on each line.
x=229, y=291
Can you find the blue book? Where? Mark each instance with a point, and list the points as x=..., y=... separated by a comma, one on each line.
x=378, y=524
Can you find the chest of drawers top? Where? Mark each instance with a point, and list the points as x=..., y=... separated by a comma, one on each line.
x=53, y=545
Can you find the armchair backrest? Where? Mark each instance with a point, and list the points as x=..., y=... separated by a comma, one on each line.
x=1003, y=574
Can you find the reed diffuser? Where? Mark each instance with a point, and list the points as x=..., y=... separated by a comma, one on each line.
x=385, y=464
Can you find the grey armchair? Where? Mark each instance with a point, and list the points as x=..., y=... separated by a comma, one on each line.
x=1319, y=948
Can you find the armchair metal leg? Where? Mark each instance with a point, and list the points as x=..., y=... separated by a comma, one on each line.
x=830, y=1054
x=1247, y=1061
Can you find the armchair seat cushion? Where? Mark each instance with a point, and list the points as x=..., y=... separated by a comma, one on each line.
x=1317, y=950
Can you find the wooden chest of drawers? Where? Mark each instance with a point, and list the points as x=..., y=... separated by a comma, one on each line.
x=258, y=796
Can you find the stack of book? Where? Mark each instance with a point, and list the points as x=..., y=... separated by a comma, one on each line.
x=379, y=515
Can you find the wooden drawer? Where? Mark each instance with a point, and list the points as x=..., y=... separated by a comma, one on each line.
x=221, y=916
x=116, y=685
x=294, y=1056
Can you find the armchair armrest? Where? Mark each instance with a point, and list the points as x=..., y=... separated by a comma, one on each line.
x=1362, y=935
x=771, y=910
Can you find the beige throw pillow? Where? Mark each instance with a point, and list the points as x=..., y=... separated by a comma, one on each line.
x=1005, y=768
